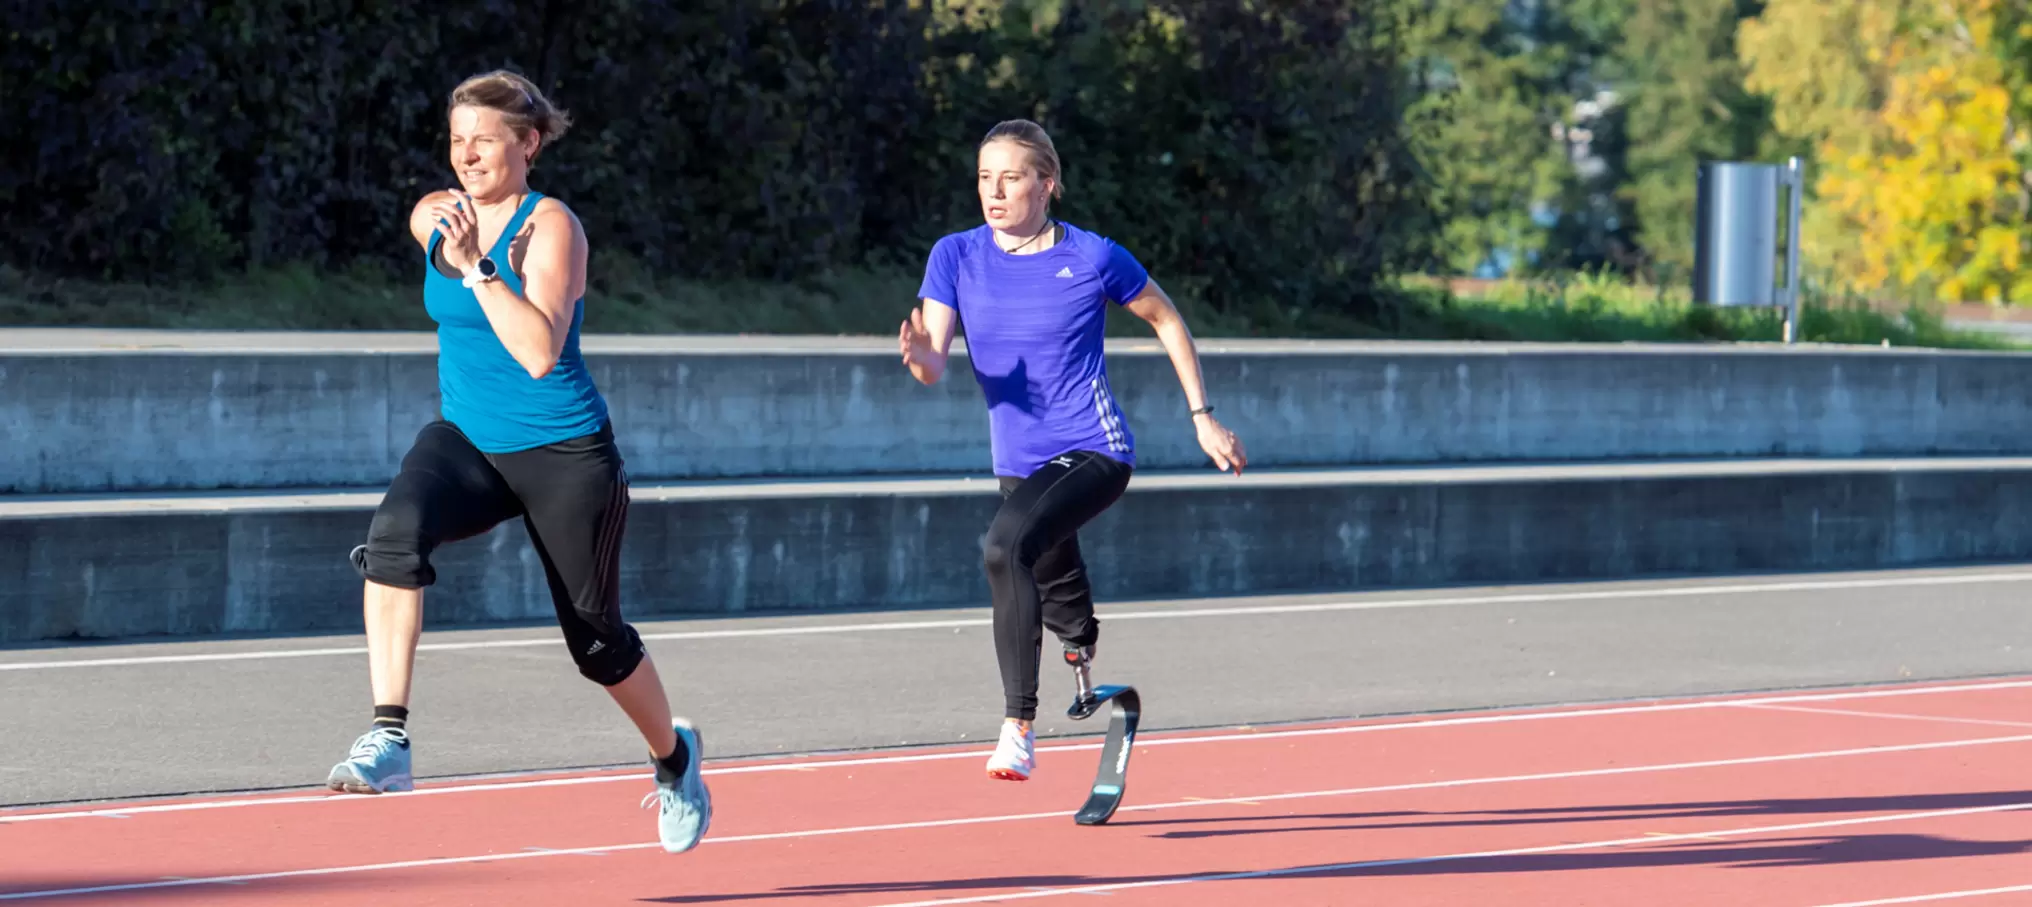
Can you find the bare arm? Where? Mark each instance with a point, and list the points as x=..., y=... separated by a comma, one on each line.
x=423, y=217
x=1153, y=305
x=926, y=340
x=534, y=323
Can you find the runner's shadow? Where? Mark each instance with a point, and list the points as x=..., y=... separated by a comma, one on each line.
x=1831, y=850
x=1352, y=821
x=802, y=891
x=1771, y=853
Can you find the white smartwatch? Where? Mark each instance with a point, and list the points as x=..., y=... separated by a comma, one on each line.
x=482, y=272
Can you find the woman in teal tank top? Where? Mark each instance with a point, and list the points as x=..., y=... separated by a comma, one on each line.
x=523, y=433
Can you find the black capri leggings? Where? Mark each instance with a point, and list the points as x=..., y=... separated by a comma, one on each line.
x=572, y=497
x=1035, y=572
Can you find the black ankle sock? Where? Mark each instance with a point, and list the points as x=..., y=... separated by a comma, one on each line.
x=394, y=716
x=677, y=761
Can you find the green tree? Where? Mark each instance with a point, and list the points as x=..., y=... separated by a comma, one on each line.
x=1255, y=151
x=1683, y=101
x=1494, y=158
x=1521, y=158
x=1917, y=111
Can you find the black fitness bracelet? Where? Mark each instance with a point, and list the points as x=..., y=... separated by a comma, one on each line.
x=1204, y=410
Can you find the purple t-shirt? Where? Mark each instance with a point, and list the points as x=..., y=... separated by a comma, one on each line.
x=1034, y=326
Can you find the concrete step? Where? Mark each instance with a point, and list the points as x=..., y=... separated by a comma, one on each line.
x=114, y=411
x=275, y=562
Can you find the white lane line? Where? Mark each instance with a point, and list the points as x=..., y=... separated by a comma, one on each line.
x=1942, y=719
x=1158, y=614
x=1942, y=896
x=1141, y=743
x=1148, y=807
x=1476, y=855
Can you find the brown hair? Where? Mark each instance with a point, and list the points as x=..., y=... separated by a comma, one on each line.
x=521, y=105
x=1033, y=137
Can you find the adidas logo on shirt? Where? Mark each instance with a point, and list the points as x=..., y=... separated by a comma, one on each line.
x=1065, y=271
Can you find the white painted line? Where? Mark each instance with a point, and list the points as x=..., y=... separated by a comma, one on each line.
x=1148, y=807
x=1661, y=834
x=1477, y=855
x=1943, y=896
x=188, y=659
x=191, y=879
x=1141, y=743
x=590, y=853
x=1157, y=614
x=1593, y=772
x=520, y=855
x=1942, y=719
x=297, y=873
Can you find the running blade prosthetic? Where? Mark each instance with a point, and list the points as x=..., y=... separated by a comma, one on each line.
x=1084, y=702
x=1111, y=777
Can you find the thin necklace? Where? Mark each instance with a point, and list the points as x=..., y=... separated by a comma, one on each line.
x=1048, y=227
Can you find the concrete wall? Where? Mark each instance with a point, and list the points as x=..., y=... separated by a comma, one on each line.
x=77, y=421
x=206, y=566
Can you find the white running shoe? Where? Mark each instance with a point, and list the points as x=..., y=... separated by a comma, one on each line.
x=1015, y=756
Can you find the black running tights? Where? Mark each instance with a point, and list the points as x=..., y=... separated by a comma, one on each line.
x=1035, y=573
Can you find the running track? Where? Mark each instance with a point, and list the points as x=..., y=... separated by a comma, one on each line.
x=1847, y=795
x=1909, y=794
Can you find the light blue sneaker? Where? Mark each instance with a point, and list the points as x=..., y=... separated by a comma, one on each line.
x=687, y=807
x=378, y=763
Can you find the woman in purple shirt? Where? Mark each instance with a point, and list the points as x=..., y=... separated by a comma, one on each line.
x=1033, y=293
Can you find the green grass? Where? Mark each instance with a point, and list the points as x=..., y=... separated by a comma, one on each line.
x=1596, y=308
x=627, y=298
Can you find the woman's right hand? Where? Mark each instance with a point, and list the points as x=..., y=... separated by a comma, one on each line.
x=914, y=340
x=920, y=354
x=461, y=228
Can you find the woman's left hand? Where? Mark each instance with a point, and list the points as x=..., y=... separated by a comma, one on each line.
x=1221, y=444
x=461, y=231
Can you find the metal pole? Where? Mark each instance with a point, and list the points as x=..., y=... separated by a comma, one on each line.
x=1795, y=177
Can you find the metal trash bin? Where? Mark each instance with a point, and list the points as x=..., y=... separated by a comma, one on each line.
x=1735, y=236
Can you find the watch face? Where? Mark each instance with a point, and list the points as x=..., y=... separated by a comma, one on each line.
x=487, y=267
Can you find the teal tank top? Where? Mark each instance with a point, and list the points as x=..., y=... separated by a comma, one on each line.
x=482, y=390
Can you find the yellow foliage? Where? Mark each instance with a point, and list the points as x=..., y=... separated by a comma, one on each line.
x=1909, y=106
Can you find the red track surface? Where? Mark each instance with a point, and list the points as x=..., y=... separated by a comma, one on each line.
x=1878, y=796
